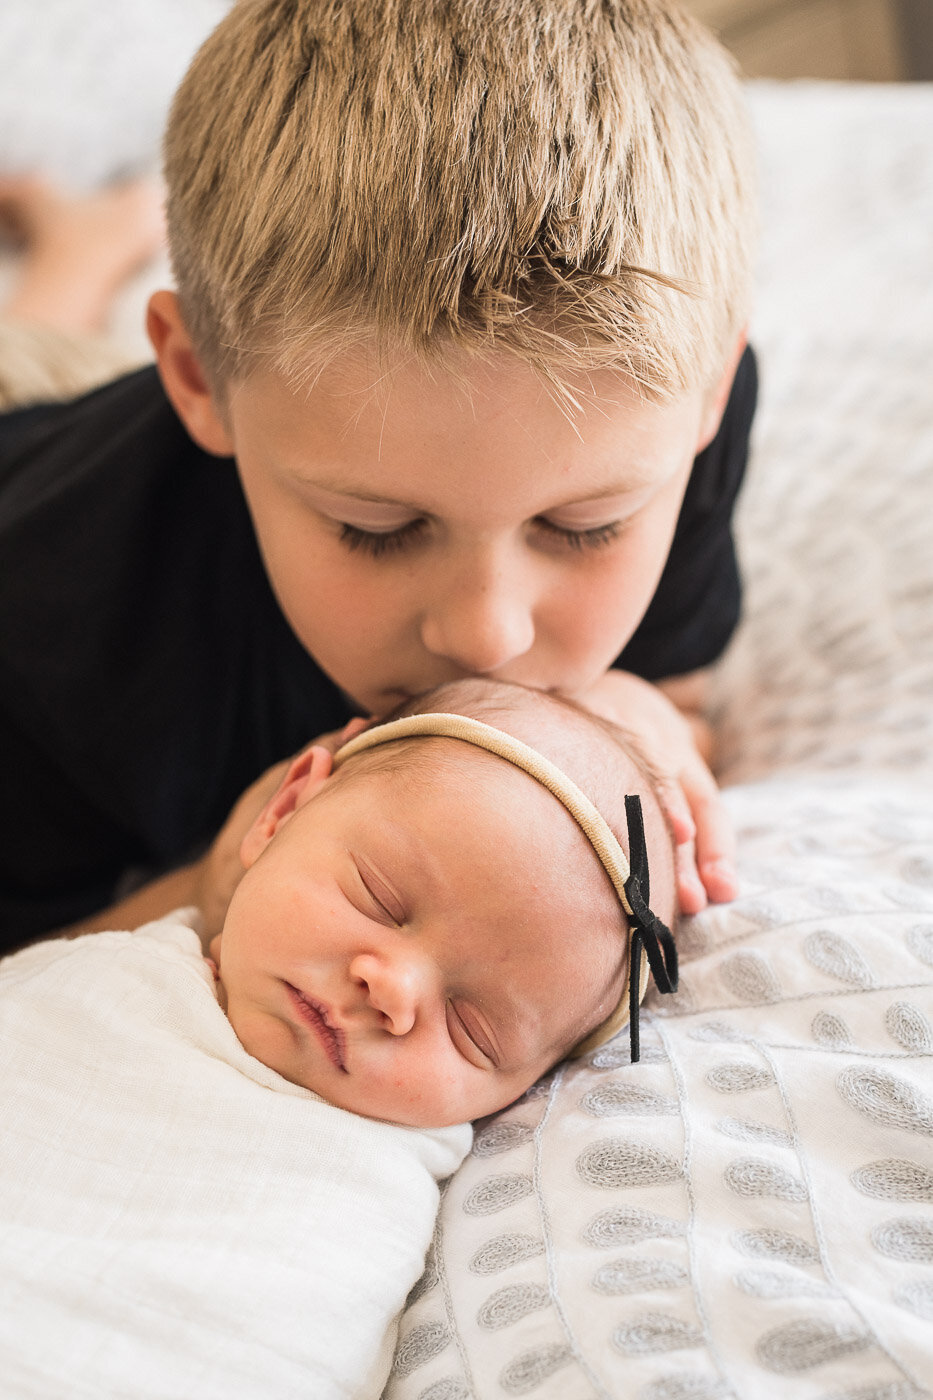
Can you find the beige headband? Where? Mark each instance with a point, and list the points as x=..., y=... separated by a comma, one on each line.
x=588, y=817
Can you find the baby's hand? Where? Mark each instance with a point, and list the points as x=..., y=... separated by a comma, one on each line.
x=220, y=869
x=689, y=793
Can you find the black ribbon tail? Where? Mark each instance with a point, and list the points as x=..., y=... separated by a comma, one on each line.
x=648, y=932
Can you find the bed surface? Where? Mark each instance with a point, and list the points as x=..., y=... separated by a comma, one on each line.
x=749, y=1212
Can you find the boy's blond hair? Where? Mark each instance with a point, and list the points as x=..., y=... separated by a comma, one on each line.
x=569, y=180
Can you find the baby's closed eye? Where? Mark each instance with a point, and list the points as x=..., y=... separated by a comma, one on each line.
x=474, y=1041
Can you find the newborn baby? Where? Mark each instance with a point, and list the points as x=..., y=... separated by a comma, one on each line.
x=237, y=1204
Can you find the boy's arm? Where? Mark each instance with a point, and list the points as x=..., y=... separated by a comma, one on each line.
x=669, y=720
x=207, y=883
x=172, y=891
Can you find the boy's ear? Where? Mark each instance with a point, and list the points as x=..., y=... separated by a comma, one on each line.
x=716, y=401
x=305, y=776
x=183, y=379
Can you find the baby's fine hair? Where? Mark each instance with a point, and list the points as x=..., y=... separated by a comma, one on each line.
x=605, y=760
x=570, y=181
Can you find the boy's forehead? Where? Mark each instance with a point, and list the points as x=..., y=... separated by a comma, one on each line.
x=355, y=421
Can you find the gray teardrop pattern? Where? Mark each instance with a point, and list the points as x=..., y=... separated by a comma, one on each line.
x=629, y=1225
x=768, y=1243
x=920, y=943
x=497, y=1193
x=749, y=977
x=886, y=1099
x=633, y=1275
x=838, y=958
x=686, y=1387
x=918, y=870
x=893, y=1390
x=763, y=913
x=768, y=1283
x=527, y=1371
x=749, y=1130
x=421, y=1343
x=894, y=1180
x=655, y=1332
x=738, y=1077
x=829, y=898
x=907, y=1024
x=501, y=1137
x=447, y=1389
x=917, y=1298
x=615, y=1099
x=616, y=1055
x=830, y=1031
x=503, y=1251
x=910, y=1237
x=750, y=1176
x=510, y=1304
x=715, y=1031
x=614, y=1163
x=805, y=1343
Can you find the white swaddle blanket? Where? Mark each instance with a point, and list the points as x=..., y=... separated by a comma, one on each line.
x=175, y=1218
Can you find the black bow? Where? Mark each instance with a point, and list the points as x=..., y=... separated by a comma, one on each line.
x=648, y=933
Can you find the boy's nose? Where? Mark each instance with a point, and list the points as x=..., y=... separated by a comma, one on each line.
x=393, y=987
x=477, y=624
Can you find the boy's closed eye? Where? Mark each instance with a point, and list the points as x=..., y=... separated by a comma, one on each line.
x=380, y=543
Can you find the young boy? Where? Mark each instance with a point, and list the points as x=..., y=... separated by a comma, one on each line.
x=462, y=291
x=200, y=1203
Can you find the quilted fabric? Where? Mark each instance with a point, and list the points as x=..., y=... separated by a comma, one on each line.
x=748, y=1213
x=833, y=667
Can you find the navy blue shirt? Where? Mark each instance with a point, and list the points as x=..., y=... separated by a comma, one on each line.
x=147, y=674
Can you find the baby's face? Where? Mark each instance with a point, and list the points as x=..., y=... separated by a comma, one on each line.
x=420, y=948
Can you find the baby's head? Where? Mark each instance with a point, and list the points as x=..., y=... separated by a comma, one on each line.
x=422, y=931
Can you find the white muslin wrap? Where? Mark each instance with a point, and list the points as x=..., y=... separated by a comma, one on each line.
x=175, y=1218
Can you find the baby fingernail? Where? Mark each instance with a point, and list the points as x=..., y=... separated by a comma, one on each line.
x=722, y=872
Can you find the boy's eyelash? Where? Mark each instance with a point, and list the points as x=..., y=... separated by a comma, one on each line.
x=583, y=539
x=378, y=543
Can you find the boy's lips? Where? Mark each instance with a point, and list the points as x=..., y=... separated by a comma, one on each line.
x=314, y=1014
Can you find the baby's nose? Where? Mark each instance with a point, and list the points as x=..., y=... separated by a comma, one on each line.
x=392, y=987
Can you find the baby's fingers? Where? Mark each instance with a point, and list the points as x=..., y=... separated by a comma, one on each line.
x=714, y=856
x=691, y=896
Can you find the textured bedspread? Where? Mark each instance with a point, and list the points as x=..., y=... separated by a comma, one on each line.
x=748, y=1214
x=748, y=1211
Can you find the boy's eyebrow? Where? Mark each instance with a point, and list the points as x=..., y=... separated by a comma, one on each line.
x=348, y=492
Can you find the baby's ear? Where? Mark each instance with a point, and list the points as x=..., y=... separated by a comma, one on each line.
x=304, y=776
